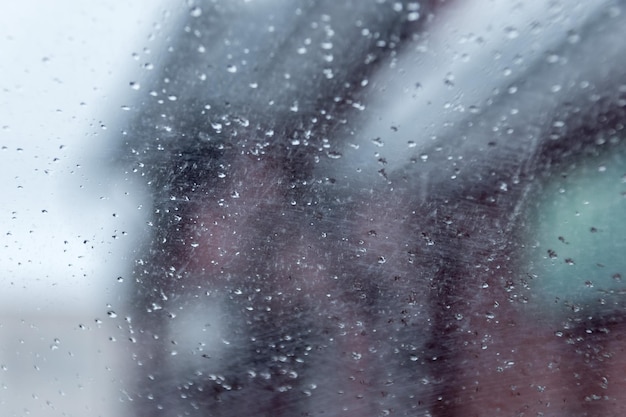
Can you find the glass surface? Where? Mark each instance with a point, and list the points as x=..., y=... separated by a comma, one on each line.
x=340, y=208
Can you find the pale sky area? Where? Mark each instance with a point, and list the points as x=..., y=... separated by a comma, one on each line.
x=69, y=220
x=64, y=92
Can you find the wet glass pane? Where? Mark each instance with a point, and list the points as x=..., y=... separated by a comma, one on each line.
x=315, y=207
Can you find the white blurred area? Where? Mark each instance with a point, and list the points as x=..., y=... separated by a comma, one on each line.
x=69, y=219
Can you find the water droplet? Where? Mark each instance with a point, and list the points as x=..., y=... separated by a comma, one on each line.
x=511, y=32
x=134, y=85
x=413, y=6
x=449, y=79
x=55, y=345
x=573, y=37
x=231, y=68
x=413, y=16
x=195, y=11
x=552, y=58
x=112, y=314
x=378, y=142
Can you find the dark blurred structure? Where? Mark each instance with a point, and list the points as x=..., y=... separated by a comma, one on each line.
x=283, y=278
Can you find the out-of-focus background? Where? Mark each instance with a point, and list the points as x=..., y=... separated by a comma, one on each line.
x=69, y=72
x=74, y=75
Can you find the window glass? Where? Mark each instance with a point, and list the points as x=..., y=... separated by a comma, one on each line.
x=314, y=207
